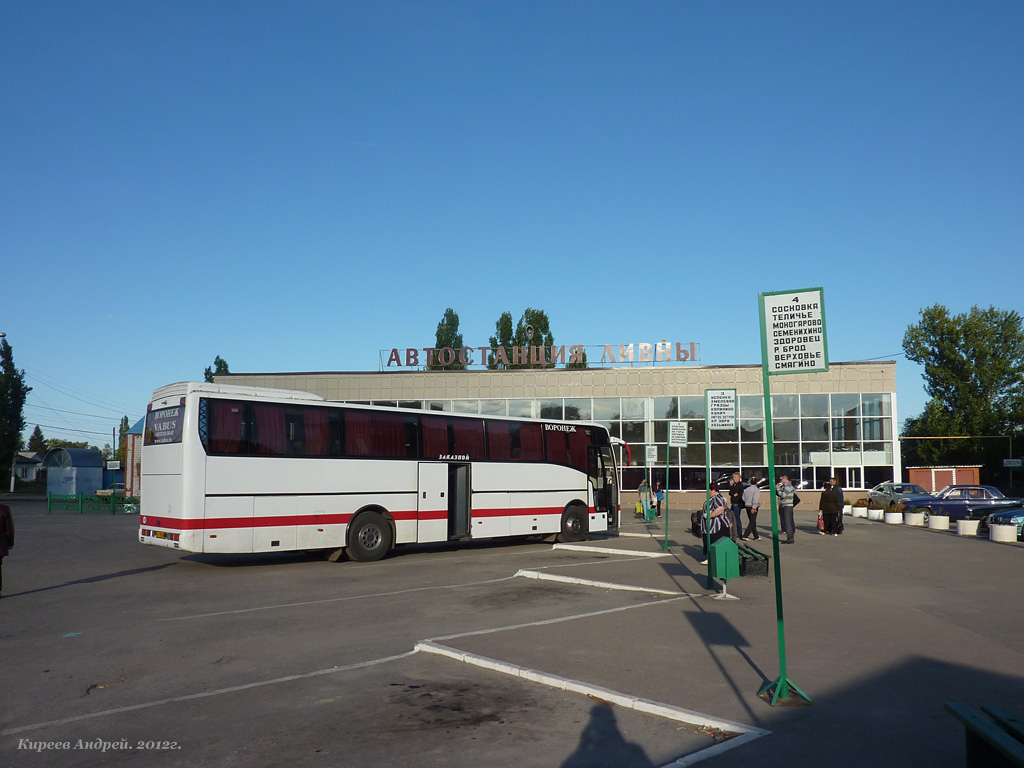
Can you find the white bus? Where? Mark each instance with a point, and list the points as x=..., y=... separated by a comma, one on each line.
x=244, y=469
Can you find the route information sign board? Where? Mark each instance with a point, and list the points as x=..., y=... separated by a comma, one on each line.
x=793, y=331
x=721, y=408
x=678, y=434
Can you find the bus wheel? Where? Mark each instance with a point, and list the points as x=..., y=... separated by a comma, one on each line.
x=369, y=538
x=574, y=525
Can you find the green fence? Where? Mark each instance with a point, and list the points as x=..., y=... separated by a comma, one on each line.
x=81, y=503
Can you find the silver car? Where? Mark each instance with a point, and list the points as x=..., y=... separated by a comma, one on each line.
x=891, y=495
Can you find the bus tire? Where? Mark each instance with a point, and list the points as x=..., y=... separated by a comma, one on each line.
x=369, y=538
x=574, y=524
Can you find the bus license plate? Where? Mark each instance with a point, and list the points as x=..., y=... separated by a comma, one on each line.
x=159, y=534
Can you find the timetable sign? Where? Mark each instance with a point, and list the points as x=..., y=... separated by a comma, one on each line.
x=793, y=328
x=678, y=434
x=721, y=408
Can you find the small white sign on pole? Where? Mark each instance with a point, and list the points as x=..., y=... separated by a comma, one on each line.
x=678, y=434
x=721, y=405
x=1012, y=463
x=652, y=454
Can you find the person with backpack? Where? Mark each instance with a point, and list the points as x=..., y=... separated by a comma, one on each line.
x=715, y=521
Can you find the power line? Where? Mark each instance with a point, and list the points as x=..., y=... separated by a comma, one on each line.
x=68, y=429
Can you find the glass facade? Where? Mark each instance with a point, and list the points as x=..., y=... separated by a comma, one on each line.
x=816, y=436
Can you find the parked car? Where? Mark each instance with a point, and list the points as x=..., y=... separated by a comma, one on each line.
x=1014, y=514
x=963, y=501
x=889, y=495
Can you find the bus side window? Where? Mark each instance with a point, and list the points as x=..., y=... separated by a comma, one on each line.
x=557, y=446
x=435, y=437
x=225, y=427
x=468, y=438
x=531, y=442
x=499, y=440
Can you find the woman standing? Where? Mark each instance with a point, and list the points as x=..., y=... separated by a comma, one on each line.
x=828, y=505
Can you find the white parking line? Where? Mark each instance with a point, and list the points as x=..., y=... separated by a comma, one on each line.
x=744, y=733
x=608, y=550
x=600, y=584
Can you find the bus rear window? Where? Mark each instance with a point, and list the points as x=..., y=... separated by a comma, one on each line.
x=164, y=426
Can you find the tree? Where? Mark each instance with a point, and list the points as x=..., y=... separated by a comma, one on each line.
x=122, y=441
x=537, y=319
x=12, y=407
x=220, y=365
x=974, y=376
x=36, y=441
x=447, y=336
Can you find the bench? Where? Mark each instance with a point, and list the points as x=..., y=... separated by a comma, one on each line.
x=995, y=739
x=752, y=562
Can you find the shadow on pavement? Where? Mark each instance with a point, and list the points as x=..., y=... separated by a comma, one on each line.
x=603, y=746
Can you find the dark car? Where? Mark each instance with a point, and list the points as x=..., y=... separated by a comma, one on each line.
x=963, y=501
x=1011, y=516
x=890, y=495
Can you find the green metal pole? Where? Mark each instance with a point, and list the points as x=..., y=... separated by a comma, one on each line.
x=707, y=489
x=779, y=687
x=668, y=454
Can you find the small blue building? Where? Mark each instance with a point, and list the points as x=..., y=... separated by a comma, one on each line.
x=70, y=471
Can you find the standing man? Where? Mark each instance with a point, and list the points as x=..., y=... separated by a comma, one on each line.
x=6, y=538
x=841, y=501
x=785, y=491
x=736, y=503
x=751, y=500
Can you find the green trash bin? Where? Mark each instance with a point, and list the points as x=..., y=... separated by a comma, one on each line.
x=725, y=559
x=649, y=510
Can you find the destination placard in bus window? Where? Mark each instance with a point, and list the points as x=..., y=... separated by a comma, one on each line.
x=164, y=426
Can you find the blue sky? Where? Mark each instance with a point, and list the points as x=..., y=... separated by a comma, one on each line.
x=297, y=186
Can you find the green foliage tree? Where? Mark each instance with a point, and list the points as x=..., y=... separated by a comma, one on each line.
x=36, y=441
x=974, y=375
x=56, y=442
x=12, y=408
x=537, y=319
x=122, y=441
x=220, y=365
x=447, y=336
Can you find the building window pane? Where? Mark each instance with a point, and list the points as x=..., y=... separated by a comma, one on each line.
x=753, y=455
x=691, y=407
x=846, y=405
x=522, y=408
x=666, y=408
x=814, y=405
x=786, y=429
x=878, y=429
x=551, y=409
x=816, y=454
x=695, y=432
x=725, y=436
x=815, y=429
x=466, y=406
x=693, y=455
x=634, y=407
x=606, y=408
x=725, y=453
x=752, y=431
x=752, y=406
x=578, y=408
x=846, y=429
x=787, y=453
x=633, y=432
x=493, y=407
x=876, y=405
x=785, y=406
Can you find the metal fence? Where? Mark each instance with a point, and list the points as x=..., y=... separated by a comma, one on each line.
x=127, y=505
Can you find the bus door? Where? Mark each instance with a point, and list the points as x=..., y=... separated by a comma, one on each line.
x=601, y=470
x=432, y=502
x=458, y=501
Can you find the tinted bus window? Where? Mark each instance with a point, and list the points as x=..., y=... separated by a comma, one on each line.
x=557, y=445
x=268, y=437
x=378, y=435
x=499, y=440
x=222, y=426
x=468, y=438
x=531, y=443
x=435, y=437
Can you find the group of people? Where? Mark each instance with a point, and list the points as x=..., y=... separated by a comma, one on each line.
x=724, y=518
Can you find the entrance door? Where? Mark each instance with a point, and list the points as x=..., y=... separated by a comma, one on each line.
x=432, y=502
x=458, y=501
x=600, y=469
